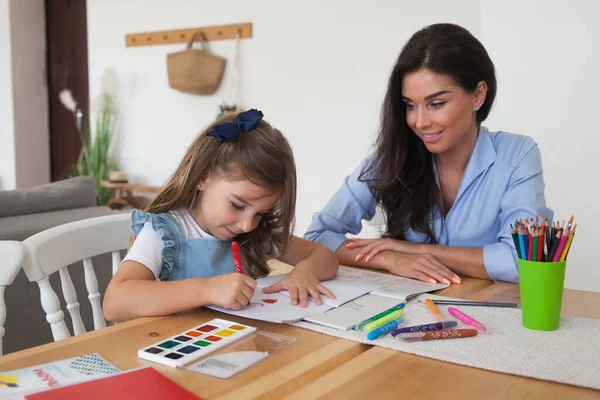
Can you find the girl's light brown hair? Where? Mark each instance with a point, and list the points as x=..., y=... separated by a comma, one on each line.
x=264, y=157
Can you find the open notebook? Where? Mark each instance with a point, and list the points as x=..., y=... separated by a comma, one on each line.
x=276, y=307
x=390, y=290
x=348, y=286
x=387, y=285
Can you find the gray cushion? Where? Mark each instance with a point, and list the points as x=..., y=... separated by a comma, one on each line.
x=23, y=226
x=71, y=193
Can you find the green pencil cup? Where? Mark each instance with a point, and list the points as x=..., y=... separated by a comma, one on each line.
x=541, y=285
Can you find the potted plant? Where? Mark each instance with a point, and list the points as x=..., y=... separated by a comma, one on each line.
x=95, y=158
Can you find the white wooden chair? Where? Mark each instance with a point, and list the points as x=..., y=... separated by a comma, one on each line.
x=12, y=255
x=55, y=248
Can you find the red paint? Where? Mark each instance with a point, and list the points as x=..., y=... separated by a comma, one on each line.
x=213, y=338
x=270, y=301
x=206, y=328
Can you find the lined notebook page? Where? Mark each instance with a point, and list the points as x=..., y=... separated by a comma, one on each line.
x=353, y=312
x=387, y=285
x=344, y=290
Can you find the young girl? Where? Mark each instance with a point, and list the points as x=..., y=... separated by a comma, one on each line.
x=237, y=181
x=449, y=188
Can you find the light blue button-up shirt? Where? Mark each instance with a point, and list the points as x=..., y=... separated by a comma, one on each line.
x=503, y=182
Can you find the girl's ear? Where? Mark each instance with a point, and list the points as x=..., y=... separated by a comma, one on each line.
x=203, y=179
x=479, y=95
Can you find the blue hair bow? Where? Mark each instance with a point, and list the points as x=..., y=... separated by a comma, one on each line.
x=230, y=131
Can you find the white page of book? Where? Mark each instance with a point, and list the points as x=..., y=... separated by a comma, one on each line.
x=274, y=307
x=21, y=382
x=343, y=290
x=387, y=285
x=353, y=312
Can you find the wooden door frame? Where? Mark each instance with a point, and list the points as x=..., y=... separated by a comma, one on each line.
x=67, y=65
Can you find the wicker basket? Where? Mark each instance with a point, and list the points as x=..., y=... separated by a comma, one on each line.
x=195, y=71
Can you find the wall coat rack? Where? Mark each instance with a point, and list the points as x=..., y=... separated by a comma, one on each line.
x=217, y=32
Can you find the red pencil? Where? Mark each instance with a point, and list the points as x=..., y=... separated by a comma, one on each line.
x=237, y=258
x=541, y=241
x=530, y=249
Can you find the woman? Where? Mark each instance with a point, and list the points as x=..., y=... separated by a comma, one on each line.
x=448, y=187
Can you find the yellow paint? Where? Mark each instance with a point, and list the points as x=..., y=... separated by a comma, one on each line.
x=225, y=333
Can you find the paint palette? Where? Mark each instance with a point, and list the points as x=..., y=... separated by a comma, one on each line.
x=195, y=343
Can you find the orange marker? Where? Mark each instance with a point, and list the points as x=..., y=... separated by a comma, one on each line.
x=434, y=310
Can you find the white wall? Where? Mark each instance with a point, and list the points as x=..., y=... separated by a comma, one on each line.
x=24, y=146
x=548, y=63
x=30, y=93
x=7, y=138
x=318, y=70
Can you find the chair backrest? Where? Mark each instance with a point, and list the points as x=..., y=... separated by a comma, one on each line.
x=54, y=249
x=12, y=255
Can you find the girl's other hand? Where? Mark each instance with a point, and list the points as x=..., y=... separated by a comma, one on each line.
x=301, y=283
x=232, y=291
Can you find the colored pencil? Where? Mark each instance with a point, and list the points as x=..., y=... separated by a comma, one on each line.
x=538, y=240
x=515, y=238
x=534, y=254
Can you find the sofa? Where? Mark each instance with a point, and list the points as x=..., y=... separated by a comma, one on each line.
x=25, y=212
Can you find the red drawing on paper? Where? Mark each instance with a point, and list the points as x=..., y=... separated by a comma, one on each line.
x=270, y=301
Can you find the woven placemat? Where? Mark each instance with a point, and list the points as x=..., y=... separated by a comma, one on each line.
x=568, y=355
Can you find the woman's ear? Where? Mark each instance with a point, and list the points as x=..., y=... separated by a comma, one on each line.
x=479, y=95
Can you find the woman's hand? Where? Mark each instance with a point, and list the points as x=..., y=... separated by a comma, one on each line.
x=371, y=247
x=404, y=260
x=232, y=291
x=301, y=283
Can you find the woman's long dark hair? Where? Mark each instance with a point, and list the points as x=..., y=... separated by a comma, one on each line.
x=400, y=173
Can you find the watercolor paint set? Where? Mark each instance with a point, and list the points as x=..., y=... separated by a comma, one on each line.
x=193, y=344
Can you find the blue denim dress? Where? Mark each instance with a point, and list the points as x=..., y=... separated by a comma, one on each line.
x=184, y=258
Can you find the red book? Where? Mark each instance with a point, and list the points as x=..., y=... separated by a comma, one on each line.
x=146, y=384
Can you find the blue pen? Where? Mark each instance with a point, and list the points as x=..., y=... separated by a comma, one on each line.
x=382, y=330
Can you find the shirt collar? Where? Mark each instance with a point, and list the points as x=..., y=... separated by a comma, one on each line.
x=484, y=155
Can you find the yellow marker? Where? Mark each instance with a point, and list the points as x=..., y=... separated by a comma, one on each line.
x=434, y=310
x=383, y=320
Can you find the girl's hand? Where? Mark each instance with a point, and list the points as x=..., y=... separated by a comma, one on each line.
x=404, y=260
x=232, y=291
x=301, y=283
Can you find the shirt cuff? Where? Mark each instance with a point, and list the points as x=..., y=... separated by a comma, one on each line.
x=500, y=261
x=331, y=240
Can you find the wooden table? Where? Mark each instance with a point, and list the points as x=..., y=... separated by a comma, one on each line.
x=321, y=366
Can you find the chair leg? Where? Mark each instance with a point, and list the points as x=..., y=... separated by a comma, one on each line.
x=71, y=298
x=54, y=315
x=2, y=317
x=91, y=284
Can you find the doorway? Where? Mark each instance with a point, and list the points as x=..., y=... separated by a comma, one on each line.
x=66, y=36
